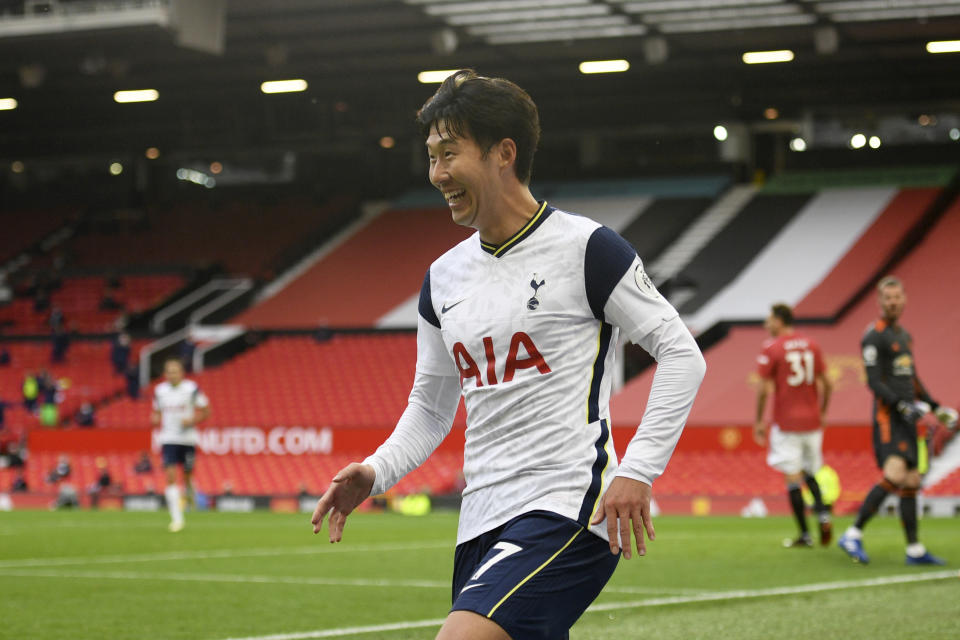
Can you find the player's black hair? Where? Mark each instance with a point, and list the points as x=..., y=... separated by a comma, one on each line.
x=176, y=359
x=784, y=312
x=488, y=110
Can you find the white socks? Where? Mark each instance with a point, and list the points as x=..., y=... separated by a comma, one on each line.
x=172, y=494
x=916, y=549
x=853, y=533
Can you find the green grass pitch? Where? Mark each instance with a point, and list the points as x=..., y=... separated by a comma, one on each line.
x=106, y=575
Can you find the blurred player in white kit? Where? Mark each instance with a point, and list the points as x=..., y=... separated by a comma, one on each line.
x=178, y=407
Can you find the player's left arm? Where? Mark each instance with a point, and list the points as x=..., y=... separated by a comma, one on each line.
x=764, y=389
x=619, y=292
x=824, y=386
x=201, y=408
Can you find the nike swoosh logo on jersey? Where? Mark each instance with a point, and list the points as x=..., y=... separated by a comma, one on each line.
x=471, y=586
x=445, y=308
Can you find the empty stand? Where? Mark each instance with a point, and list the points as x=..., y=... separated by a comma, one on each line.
x=23, y=229
x=871, y=251
x=250, y=242
x=800, y=255
x=357, y=282
x=351, y=381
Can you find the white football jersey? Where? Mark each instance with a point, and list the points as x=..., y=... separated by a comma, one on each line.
x=529, y=329
x=176, y=404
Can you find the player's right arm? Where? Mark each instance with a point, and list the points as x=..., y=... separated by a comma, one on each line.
x=424, y=424
x=155, y=412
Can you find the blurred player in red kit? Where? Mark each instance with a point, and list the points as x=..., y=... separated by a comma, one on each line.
x=792, y=369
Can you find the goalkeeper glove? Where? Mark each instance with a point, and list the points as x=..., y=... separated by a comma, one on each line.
x=947, y=417
x=912, y=411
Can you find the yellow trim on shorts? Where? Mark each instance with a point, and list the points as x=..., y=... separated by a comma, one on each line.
x=534, y=572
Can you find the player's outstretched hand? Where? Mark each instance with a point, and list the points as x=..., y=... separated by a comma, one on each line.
x=626, y=505
x=948, y=417
x=760, y=432
x=349, y=488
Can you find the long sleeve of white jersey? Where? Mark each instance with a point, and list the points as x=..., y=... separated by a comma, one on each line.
x=424, y=424
x=680, y=370
x=429, y=415
x=648, y=320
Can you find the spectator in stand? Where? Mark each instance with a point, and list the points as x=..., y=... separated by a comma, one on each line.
x=60, y=342
x=110, y=300
x=19, y=484
x=41, y=301
x=102, y=485
x=120, y=352
x=3, y=409
x=49, y=398
x=4, y=357
x=47, y=387
x=143, y=463
x=85, y=416
x=187, y=349
x=323, y=333
x=31, y=390
x=67, y=497
x=50, y=415
x=61, y=471
x=15, y=455
x=57, y=320
x=132, y=375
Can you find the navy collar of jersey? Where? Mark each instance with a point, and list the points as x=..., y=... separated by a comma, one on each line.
x=497, y=250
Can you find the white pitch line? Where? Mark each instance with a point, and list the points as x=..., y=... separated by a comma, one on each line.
x=776, y=591
x=654, y=590
x=220, y=553
x=267, y=579
x=349, y=631
x=653, y=602
x=228, y=578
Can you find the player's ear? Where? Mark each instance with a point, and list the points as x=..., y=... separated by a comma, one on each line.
x=506, y=151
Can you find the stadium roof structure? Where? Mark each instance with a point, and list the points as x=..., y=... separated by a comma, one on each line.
x=62, y=62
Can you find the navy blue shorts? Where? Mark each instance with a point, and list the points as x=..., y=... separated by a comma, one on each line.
x=182, y=454
x=533, y=576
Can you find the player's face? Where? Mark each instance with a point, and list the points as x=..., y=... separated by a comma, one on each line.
x=465, y=176
x=771, y=325
x=892, y=301
x=173, y=372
